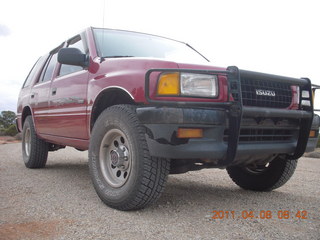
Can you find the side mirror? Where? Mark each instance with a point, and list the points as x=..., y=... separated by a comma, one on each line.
x=72, y=56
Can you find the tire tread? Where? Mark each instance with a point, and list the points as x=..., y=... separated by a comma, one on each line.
x=280, y=172
x=39, y=148
x=154, y=170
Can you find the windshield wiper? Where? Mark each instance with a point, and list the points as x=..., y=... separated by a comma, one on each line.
x=117, y=56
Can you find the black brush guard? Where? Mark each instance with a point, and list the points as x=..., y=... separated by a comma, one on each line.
x=236, y=110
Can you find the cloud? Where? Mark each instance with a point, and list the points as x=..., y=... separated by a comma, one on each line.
x=4, y=30
x=9, y=96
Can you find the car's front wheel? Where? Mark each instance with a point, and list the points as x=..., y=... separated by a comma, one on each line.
x=34, y=149
x=124, y=174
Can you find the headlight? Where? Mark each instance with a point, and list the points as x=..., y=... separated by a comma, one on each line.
x=188, y=84
x=198, y=85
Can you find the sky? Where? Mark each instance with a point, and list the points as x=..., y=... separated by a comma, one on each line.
x=273, y=36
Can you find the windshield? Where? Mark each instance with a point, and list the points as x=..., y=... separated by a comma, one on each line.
x=115, y=43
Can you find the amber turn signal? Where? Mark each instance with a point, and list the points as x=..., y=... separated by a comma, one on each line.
x=169, y=84
x=312, y=134
x=190, y=133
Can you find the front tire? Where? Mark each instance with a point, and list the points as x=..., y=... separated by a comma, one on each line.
x=263, y=177
x=34, y=149
x=124, y=175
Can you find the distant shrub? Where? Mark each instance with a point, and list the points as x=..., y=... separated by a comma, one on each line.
x=11, y=130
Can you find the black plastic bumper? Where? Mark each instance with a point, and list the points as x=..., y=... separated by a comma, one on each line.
x=312, y=142
x=162, y=123
x=16, y=125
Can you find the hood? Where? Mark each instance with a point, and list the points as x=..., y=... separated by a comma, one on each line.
x=145, y=64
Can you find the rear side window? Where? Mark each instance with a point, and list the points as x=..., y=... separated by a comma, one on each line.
x=34, y=71
x=67, y=69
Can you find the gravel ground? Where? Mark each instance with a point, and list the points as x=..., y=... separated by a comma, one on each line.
x=59, y=202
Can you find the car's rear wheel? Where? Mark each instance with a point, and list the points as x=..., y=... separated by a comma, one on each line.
x=263, y=177
x=34, y=149
x=124, y=175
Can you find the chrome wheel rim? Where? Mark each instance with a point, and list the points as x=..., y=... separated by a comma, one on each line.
x=115, y=158
x=27, y=141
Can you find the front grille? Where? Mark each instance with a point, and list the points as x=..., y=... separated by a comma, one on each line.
x=266, y=130
x=263, y=135
x=273, y=94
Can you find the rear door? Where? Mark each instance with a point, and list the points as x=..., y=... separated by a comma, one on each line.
x=28, y=93
x=39, y=94
x=68, y=98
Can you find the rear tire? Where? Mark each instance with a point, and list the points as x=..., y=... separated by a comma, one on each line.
x=34, y=149
x=263, y=178
x=124, y=175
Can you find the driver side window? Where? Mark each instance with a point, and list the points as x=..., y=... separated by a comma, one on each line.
x=67, y=69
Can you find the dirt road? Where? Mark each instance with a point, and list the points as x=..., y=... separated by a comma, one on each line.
x=59, y=202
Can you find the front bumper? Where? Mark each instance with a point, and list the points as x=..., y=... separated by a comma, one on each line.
x=16, y=125
x=312, y=142
x=162, y=124
x=233, y=133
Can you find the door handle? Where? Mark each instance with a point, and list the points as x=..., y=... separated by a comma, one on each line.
x=54, y=91
x=32, y=95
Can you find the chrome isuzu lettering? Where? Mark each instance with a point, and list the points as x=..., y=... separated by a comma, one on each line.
x=261, y=92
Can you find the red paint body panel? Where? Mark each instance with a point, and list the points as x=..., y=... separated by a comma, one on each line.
x=67, y=116
x=40, y=106
x=125, y=73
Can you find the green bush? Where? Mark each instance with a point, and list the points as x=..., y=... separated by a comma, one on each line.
x=11, y=130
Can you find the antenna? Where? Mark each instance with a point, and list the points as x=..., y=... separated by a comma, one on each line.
x=102, y=37
x=103, y=12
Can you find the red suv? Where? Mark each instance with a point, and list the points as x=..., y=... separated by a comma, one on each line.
x=146, y=106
